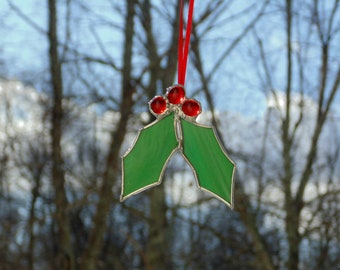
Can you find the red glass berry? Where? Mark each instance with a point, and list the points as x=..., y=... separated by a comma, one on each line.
x=176, y=94
x=191, y=107
x=158, y=105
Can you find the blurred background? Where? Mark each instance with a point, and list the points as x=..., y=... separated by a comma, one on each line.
x=75, y=81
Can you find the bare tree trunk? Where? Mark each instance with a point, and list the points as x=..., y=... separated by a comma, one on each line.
x=294, y=204
x=65, y=257
x=157, y=246
x=243, y=206
x=291, y=208
x=31, y=222
x=93, y=249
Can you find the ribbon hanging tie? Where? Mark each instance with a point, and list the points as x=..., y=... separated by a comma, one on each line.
x=183, y=44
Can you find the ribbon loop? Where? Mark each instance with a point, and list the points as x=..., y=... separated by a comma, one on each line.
x=183, y=44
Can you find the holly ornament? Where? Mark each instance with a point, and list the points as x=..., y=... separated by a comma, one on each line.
x=176, y=130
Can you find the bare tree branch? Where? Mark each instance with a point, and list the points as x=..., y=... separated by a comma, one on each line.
x=26, y=18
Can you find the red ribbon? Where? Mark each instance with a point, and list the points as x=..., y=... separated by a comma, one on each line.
x=183, y=44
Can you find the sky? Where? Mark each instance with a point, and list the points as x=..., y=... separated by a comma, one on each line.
x=23, y=47
x=237, y=88
x=236, y=91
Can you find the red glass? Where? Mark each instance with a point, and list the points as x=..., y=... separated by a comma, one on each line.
x=158, y=105
x=176, y=95
x=191, y=107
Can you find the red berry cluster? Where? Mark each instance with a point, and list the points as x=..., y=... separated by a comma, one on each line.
x=175, y=96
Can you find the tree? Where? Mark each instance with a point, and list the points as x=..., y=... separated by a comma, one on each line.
x=65, y=256
x=293, y=114
x=106, y=61
x=94, y=245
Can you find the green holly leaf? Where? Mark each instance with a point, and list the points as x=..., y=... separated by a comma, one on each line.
x=144, y=163
x=212, y=167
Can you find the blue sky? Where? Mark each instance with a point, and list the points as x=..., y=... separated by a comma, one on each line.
x=237, y=87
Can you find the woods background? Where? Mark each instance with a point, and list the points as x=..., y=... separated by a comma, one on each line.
x=76, y=77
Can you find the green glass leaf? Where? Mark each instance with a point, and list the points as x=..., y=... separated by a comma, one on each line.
x=144, y=163
x=212, y=167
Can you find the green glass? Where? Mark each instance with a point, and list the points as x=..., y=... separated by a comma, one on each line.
x=144, y=164
x=204, y=152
